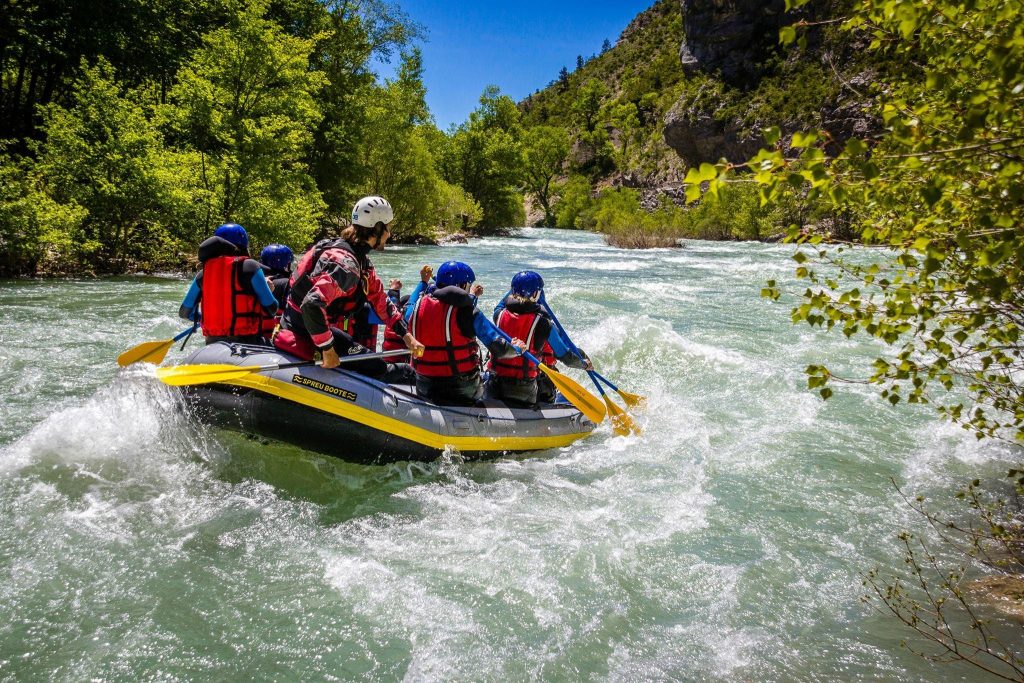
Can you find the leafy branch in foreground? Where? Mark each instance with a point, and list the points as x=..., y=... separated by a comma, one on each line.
x=941, y=189
x=937, y=602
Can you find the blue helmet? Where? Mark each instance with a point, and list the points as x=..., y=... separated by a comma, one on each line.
x=454, y=273
x=527, y=283
x=277, y=256
x=234, y=233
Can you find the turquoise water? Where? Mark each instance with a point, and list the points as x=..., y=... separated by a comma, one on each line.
x=726, y=543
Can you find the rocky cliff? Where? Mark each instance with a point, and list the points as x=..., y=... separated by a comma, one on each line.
x=744, y=81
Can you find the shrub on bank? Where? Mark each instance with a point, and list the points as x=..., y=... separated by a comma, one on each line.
x=738, y=215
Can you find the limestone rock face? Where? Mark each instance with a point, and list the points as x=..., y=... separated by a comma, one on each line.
x=730, y=36
x=693, y=131
x=733, y=42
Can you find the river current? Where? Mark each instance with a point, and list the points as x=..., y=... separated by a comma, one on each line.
x=728, y=542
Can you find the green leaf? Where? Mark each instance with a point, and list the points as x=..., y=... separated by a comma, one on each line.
x=803, y=139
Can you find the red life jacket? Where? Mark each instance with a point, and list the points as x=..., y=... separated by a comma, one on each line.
x=301, y=281
x=268, y=323
x=227, y=309
x=521, y=326
x=392, y=342
x=449, y=352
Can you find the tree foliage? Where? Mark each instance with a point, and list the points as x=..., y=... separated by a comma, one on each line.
x=545, y=151
x=484, y=156
x=102, y=158
x=942, y=189
x=246, y=101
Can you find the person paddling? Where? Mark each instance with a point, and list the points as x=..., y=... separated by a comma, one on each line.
x=230, y=295
x=449, y=324
x=391, y=340
x=519, y=314
x=331, y=283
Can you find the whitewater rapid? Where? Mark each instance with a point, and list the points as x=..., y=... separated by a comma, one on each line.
x=728, y=542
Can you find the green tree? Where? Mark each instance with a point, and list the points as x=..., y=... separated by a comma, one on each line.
x=573, y=199
x=545, y=150
x=942, y=189
x=398, y=162
x=33, y=227
x=624, y=118
x=348, y=36
x=103, y=155
x=587, y=104
x=484, y=157
x=246, y=102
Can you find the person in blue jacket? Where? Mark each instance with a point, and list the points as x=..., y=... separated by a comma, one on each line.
x=230, y=296
x=448, y=323
x=520, y=313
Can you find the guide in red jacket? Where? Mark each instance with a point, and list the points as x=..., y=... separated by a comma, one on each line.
x=333, y=281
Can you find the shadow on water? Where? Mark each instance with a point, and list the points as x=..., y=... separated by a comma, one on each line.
x=341, y=489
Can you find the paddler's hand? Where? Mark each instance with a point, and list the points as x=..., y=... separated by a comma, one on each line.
x=416, y=347
x=519, y=344
x=270, y=283
x=425, y=273
x=477, y=290
x=331, y=359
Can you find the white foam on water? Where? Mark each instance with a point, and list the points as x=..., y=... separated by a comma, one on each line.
x=724, y=543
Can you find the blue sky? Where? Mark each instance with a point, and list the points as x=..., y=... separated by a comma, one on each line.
x=518, y=46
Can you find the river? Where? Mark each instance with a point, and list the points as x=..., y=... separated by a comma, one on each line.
x=726, y=543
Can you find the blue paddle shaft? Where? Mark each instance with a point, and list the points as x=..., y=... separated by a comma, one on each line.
x=183, y=333
x=572, y=347
x=601, y=377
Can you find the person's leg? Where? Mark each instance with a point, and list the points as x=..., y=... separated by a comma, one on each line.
x=546, y=391
x=517, y=393
x=347, y=347
x=463, y=391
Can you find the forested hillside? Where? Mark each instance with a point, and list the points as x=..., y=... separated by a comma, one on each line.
x=690, y=83
x=128, y=131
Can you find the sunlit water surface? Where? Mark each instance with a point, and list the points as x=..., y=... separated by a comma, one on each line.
x=726, y=543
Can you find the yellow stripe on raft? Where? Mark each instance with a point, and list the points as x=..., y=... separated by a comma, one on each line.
x=383, y=423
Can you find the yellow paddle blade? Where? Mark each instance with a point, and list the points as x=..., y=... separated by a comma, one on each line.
x=150, y=352
x=622, y=424
x=632, y=400
x=185, y=375
x=587, y=403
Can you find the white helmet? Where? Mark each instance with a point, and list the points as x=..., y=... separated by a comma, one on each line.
x=369, y=211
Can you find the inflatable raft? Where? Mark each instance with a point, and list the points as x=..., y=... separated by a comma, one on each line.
x=359, y=419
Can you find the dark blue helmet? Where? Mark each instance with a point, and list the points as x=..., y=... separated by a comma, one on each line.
x=527, y=283
x=454, y=273
x=234, y=233
x=277, y=256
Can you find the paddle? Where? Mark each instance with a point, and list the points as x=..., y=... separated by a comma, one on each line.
x=631, y=400
x=585, y=401
x=622, y=424
x=150, y=352
x=187, y=375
